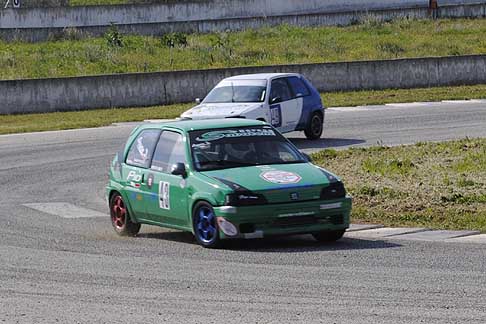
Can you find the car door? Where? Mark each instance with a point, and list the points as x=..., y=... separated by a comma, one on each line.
x=135, y=170
x=284, y=108
x=169, y=198
x=300, y=92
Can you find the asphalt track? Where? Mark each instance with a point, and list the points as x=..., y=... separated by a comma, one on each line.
x=76, y=270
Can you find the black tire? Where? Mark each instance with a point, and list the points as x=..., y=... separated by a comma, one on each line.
x=328, y=236
x=315, y=126
x=120, y=218
x=205, y=225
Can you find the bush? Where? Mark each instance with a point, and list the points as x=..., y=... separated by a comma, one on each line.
x=114, y=37
x=174, y=39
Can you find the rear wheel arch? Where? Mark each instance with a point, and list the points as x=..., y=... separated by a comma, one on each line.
x=317, y=111
x=314, y=125
x=112, y=192
x=120, y=216
x=127, y=203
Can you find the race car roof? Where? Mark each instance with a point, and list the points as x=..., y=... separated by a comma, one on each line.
x=190, y=125
x=259, y=76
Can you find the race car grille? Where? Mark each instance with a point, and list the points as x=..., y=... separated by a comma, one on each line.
x=336, y=219
x=292, y=195
x=295, y=221
x=247, y=228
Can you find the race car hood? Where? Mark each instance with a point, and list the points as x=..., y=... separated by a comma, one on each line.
x=219, y=110
x=276, y=176
x=279, y=183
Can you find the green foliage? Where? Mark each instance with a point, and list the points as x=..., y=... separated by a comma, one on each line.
x=416, y=185
x=66, y=54
x=174, y=39
x=390, y=48
x=223, y=43
x=324, y=155
x=388, y=167
x=113, y=37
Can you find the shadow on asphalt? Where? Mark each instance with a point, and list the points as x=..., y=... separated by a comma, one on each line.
x=305, y=243
x=287, y=244
x=303, y=143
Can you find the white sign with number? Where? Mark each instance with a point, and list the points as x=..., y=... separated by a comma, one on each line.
x=16, y=3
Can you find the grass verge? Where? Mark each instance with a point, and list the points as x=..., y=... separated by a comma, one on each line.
x=102, y=117
x=73, y=55
x=434, y=185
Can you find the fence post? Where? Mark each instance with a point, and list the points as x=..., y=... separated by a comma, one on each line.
x=433, y=9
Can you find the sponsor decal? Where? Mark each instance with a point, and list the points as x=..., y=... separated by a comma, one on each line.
x=202, y=146
x=134, y=176
x=134, y=179
x=280, y=177
x=164, y=195
x=230, y=133
x=135, y=184
x=142, y=151
x=294, y=196
x=275, y=116
x=297, y=214
x=150, y=180
x=332, y=206
x=255, y=234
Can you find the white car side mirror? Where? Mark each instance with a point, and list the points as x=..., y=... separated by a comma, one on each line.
x=198, y=101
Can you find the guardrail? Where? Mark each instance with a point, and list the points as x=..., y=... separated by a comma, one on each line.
x=40, y=24
x=146, y=89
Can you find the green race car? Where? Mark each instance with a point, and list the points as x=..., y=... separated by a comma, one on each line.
x=220, y=179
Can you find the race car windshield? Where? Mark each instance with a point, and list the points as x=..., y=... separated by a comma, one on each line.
x=240, y=147
x=237, y=91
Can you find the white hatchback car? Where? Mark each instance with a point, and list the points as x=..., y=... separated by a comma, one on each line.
x=287, y=101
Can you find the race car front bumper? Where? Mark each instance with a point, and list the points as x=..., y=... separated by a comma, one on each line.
x=285, y=219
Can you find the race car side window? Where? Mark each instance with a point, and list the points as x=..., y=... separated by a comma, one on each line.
x=169, y=150
x=298, y=87
x=140, y=152
x=280, y=91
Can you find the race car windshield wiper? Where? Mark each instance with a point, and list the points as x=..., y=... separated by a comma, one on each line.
x=286, y=162
x=224, y=164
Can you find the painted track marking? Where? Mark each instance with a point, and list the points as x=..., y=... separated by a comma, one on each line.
x=65, y=210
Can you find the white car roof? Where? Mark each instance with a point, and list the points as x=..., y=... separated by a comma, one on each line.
x=260, y=76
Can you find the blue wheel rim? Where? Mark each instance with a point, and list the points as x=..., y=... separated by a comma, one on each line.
x=206, y=224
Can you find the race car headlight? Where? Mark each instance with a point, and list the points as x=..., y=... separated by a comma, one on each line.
x=244, y=199
x=335, y=190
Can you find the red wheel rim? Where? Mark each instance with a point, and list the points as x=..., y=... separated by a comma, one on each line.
x=118, y=213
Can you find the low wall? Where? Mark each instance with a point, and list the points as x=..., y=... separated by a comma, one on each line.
x=218, y=25
x=234, y=24
x=85, y=16
x=145, y=89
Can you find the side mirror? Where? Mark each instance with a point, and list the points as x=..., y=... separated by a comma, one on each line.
x=275, y=100
x=198, y=100
x=179, y=169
